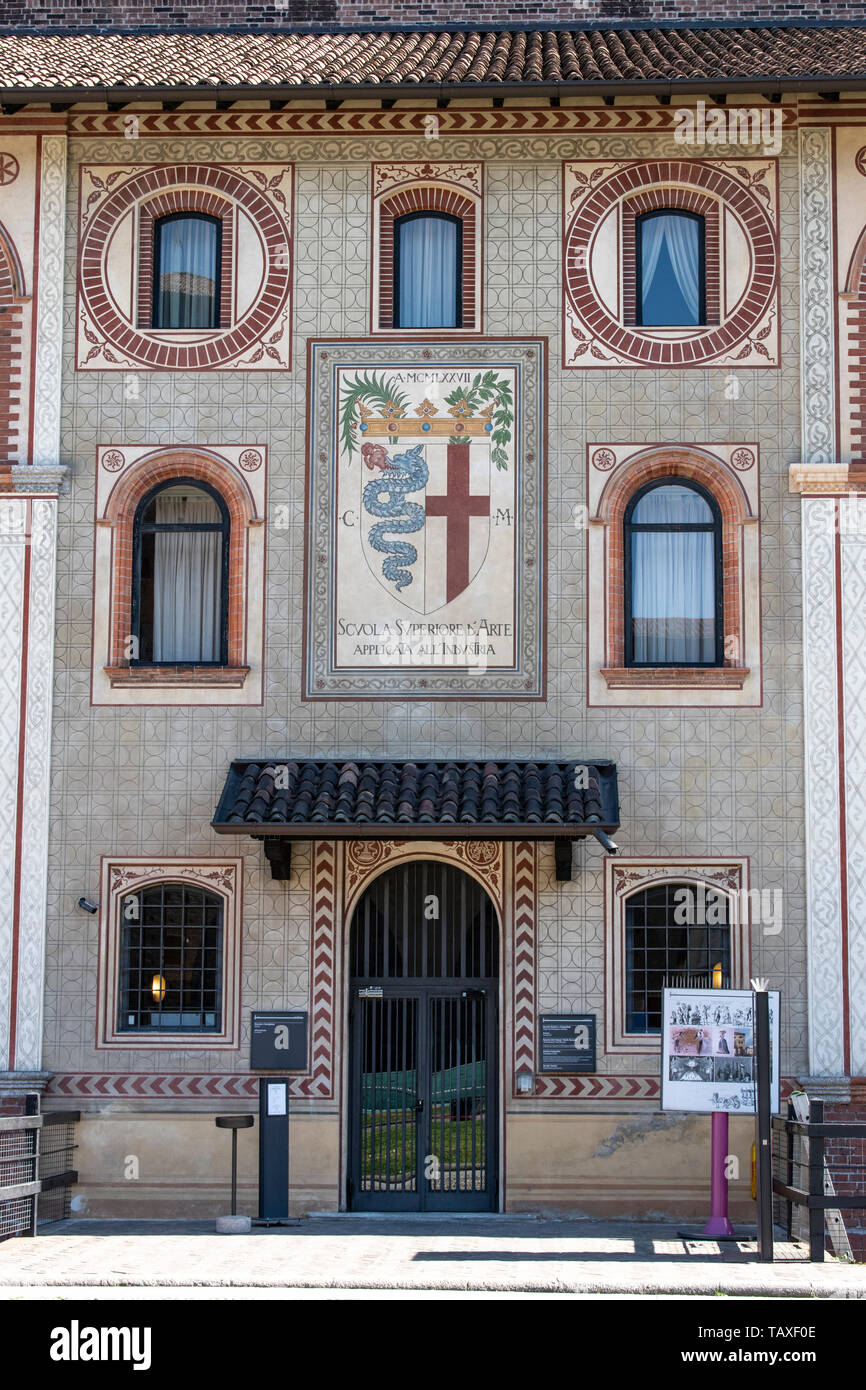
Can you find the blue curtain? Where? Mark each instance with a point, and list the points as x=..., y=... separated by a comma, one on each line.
x=670, y=270
x=187, y=274
x=428, y=273
x=673, y=600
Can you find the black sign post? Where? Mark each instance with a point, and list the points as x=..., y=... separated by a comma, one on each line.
x=273, y=1150
x=278, y=1043
x=763, y=1143
x=567, y=1042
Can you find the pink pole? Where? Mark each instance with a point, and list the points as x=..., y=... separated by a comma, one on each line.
x=718, y=1224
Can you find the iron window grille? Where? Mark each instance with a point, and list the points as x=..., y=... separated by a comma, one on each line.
x=143, y=530
x=188, y=277
x=714, y=526
x=702, y=277
x=399, y=224
x=394, y=938
x=171, y=960
x=662, y=947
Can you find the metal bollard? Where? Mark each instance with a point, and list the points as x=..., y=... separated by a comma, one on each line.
x=234, y=1224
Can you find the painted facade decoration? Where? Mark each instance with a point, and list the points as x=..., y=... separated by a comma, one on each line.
x=427, y=490
x=426, y=563
x=118, y=206
x=738, y=200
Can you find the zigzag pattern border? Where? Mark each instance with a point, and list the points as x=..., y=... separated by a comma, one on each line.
x=191, y=1086
x=320, y=1081
x=598, y=1087
x=542, y=120
x=524, y=873
x=594, y=1086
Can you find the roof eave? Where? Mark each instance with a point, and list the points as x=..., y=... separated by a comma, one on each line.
x=377, y=830
x=404, y=91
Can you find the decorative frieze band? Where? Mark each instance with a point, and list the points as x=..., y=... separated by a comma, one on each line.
x=817, y=308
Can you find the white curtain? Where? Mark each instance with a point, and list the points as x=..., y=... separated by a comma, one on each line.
x=428, y=273
x=673, y=581
x=186, y=296
x=187, y=581
x=679, y=236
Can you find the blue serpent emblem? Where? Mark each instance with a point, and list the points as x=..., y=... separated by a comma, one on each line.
x=402, y=516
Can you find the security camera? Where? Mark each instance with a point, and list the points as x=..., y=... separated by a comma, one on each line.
x=87, y=906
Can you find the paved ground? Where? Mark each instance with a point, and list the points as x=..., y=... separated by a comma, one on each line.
x=508, y=1254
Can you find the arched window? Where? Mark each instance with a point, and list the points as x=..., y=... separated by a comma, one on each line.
x=180, y=576
x=186, y=271
x=675, y=933
x=428, y=270
x=670, y=269
x=673, y=576
x=171, y=960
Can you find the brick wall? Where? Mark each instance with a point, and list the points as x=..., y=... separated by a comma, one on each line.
x=155, y=15
x=846, y=1159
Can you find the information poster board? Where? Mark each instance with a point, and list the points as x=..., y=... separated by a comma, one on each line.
x=708, y=1050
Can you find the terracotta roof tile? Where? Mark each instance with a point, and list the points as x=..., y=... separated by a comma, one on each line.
x=385, y=58
x=542, y=797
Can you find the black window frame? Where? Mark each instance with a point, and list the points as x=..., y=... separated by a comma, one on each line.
x=629, y=527
x=675, y=973
x=126, y=999
x=158, y=225
x=399, y=223
x=702, y=262
x=139, y=526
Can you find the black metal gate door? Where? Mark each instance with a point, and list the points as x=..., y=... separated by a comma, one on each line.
x=423, y=1117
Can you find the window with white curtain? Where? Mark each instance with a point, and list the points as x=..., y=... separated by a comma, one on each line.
x=673, y=583
x=186, y=271
x=428, y=270
x=180, y=589
x=670, y=269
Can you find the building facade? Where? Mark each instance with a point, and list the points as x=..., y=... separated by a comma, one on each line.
x=355, y=449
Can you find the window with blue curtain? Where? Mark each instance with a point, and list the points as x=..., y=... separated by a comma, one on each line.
x=673, y=578
x=670, y=269
x=186, y=271
x=428, y=269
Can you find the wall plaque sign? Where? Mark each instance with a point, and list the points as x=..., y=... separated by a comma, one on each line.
x=425, y=508
x=278, y=1041
x=567, y=1042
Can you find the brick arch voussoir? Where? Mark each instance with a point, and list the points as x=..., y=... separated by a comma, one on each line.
x=180, y=463
x=11, y=270
x=733, y=506
x=668, y=463
x=855, y=281
x=427, y=198
x=121, y=509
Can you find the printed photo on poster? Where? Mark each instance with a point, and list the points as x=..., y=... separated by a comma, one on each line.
x=708, y=1050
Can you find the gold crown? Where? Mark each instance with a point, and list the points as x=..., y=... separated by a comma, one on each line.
x=394, y=421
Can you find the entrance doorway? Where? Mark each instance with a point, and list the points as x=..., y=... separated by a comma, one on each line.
x=424, y=967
